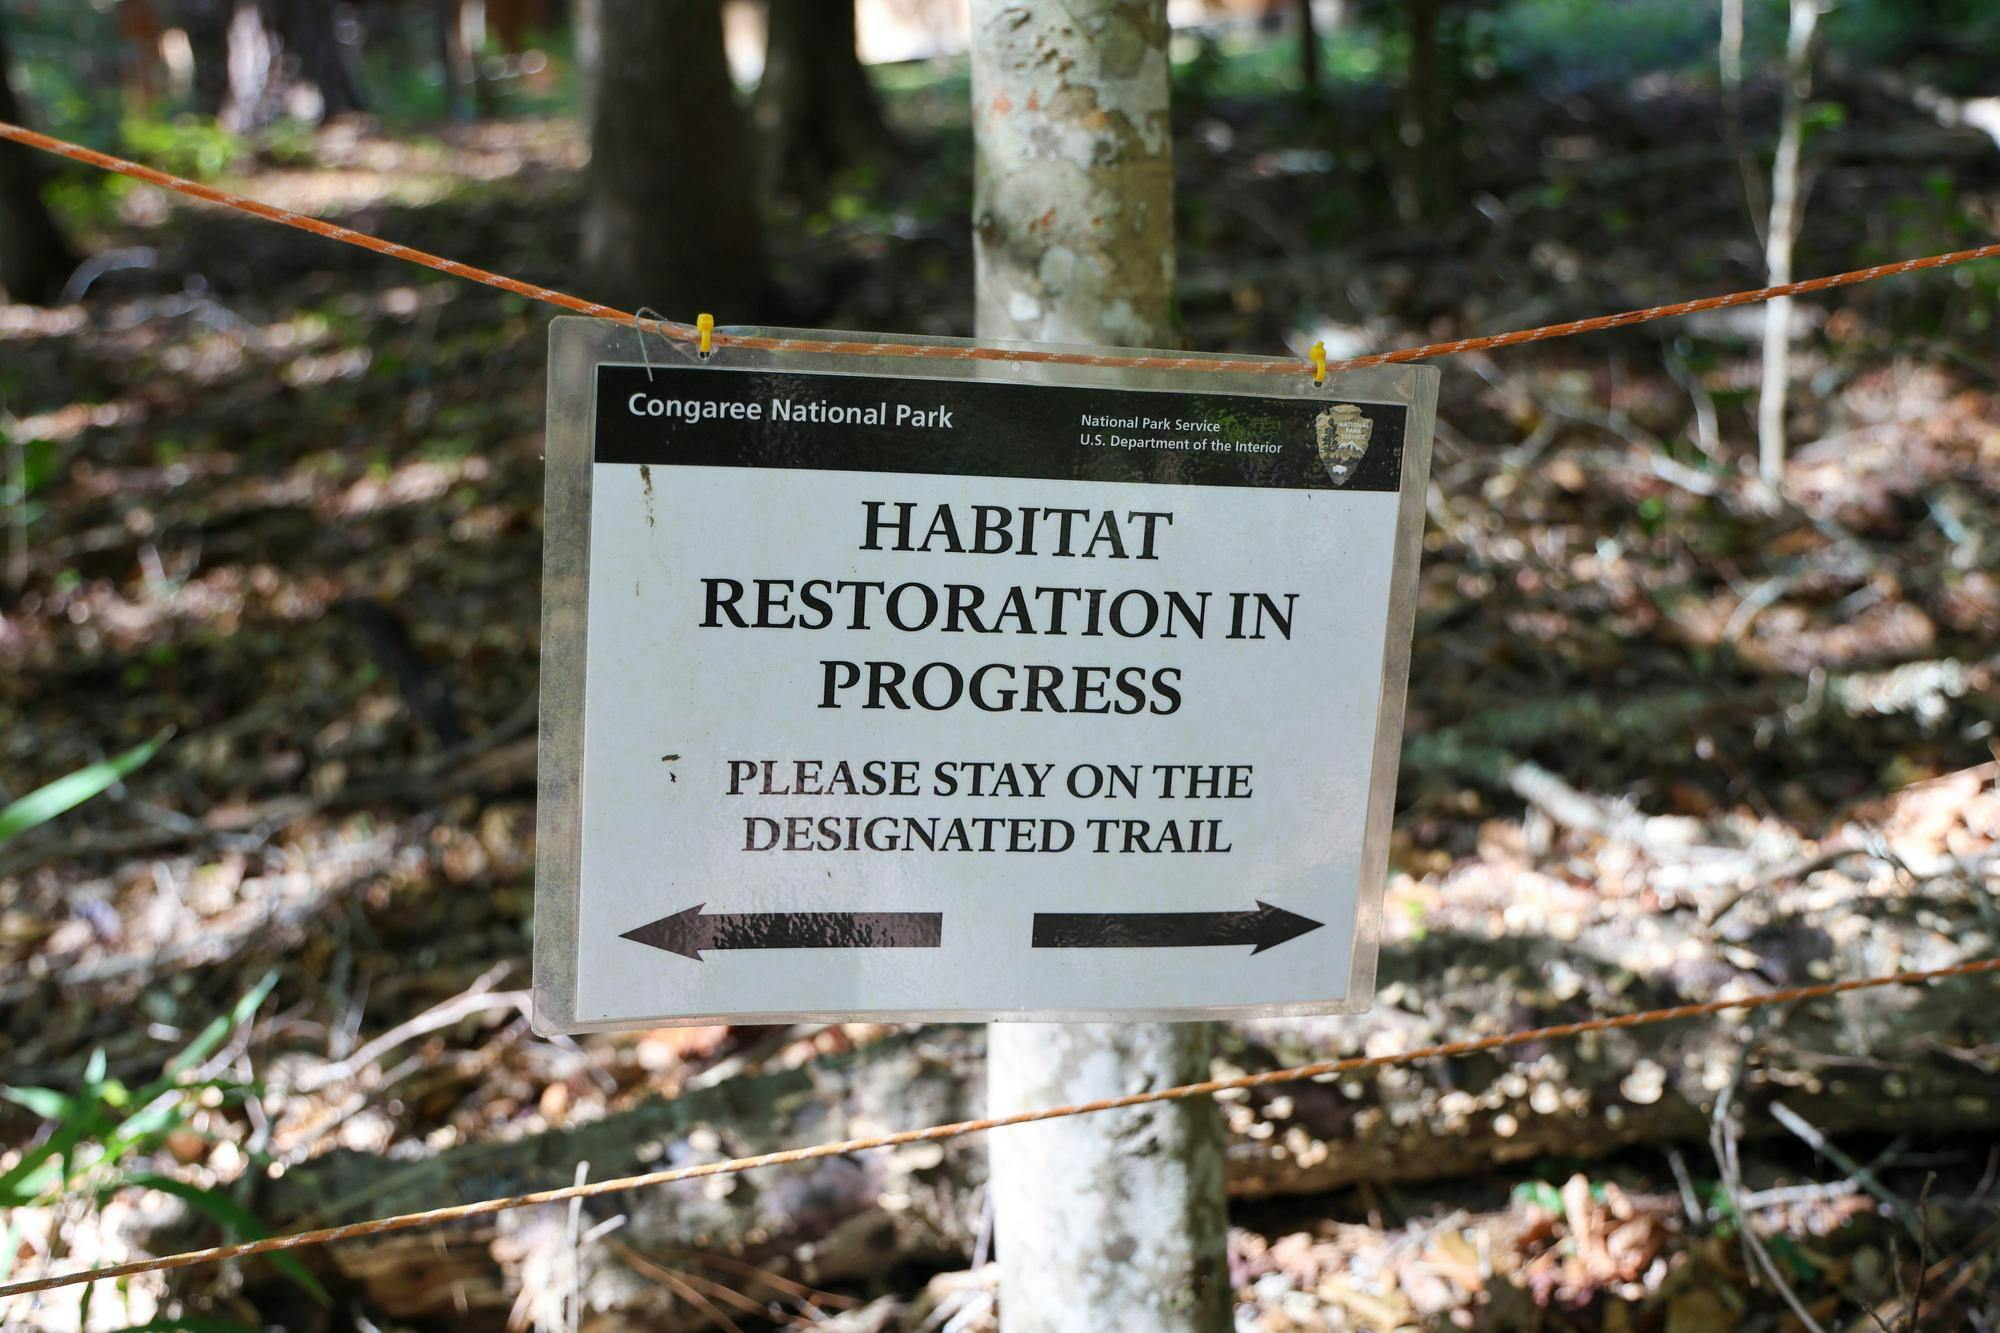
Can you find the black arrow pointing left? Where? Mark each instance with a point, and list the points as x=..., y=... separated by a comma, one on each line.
x=690, y=931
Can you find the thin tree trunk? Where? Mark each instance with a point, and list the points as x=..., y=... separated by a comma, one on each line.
x=252, y=57
x=1308, y=50
x=1778, y=242
x=1729, y=63
x=669, y=218
x=461, y=71
x=816, y=109
x=35, y=260
x=1115, y=1221
x=310, y=29
x=206, y=23
x=1416, y=185
x=139, y=29
x=587, y=23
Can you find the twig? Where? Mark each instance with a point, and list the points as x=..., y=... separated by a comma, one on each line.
x=1786, y=1195
x=1860, y=1174
x=727, y=1294
x=476, y=999
x=799, y=1290
x=1923, y=1252
x=677, y=1281
x=1722, y=1140
x=764, y=1048
x=1690, y=1201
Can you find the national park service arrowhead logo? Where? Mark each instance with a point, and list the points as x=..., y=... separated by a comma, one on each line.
x=1341, y=435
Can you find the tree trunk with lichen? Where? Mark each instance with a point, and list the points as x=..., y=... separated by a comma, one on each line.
x=1113, y=1221
x=1073, y=228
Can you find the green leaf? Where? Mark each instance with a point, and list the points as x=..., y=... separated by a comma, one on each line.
x=29, y=1180
x=44, y=1102
x=81, y=1124
x=158, y=1118
x=45, y=803
x=233, y=1217
x=209, y=1039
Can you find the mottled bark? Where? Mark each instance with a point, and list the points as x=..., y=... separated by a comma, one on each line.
x=816, y=110
x=669, y=218
x=35, y=261
x=1073, y=223
x=1115, y=1221
x=1111, y=1221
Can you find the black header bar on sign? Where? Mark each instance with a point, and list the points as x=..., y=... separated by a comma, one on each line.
x=713, y=417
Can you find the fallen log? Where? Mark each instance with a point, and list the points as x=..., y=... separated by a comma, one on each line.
x=1902, y=1061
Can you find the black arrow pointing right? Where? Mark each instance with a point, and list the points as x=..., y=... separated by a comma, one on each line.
x=1267, y=927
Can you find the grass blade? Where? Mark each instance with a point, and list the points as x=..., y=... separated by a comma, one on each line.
x=41, y=805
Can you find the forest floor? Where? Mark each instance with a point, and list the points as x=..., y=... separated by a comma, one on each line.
x=286, y=504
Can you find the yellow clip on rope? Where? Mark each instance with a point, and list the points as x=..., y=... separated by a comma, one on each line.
x=1319, y=362
x=704, y=324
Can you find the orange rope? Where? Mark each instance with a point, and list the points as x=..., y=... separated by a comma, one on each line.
x=935, y=1133
x=937, y=352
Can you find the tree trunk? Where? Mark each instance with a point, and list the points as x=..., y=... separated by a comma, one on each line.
x=206, y=23
x=669, y=218
x=1778, y=243
x=587, y=29
x=1073, y=228
x=139, y=30
x=1419, y=124
x=35, y=261
x=1115, y=1221
x=255, y=89
x=310, y=32
x=276, y=47
x=455, y=55
x=1308, y=50
x=816, y=109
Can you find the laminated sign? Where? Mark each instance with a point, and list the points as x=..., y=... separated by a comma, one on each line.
x=885, y=687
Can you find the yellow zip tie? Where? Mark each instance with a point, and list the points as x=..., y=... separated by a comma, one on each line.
x=704, y=324
x=1319, y=362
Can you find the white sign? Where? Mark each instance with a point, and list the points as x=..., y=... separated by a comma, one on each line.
x=896, y=688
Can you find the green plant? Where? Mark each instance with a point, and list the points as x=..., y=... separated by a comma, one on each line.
x=99, y=1138
x=65, y=793
x=192, y=146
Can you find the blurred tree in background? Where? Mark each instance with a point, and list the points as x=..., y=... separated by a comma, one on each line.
x=669, y=216
x=34, y=258
x=815, y=110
